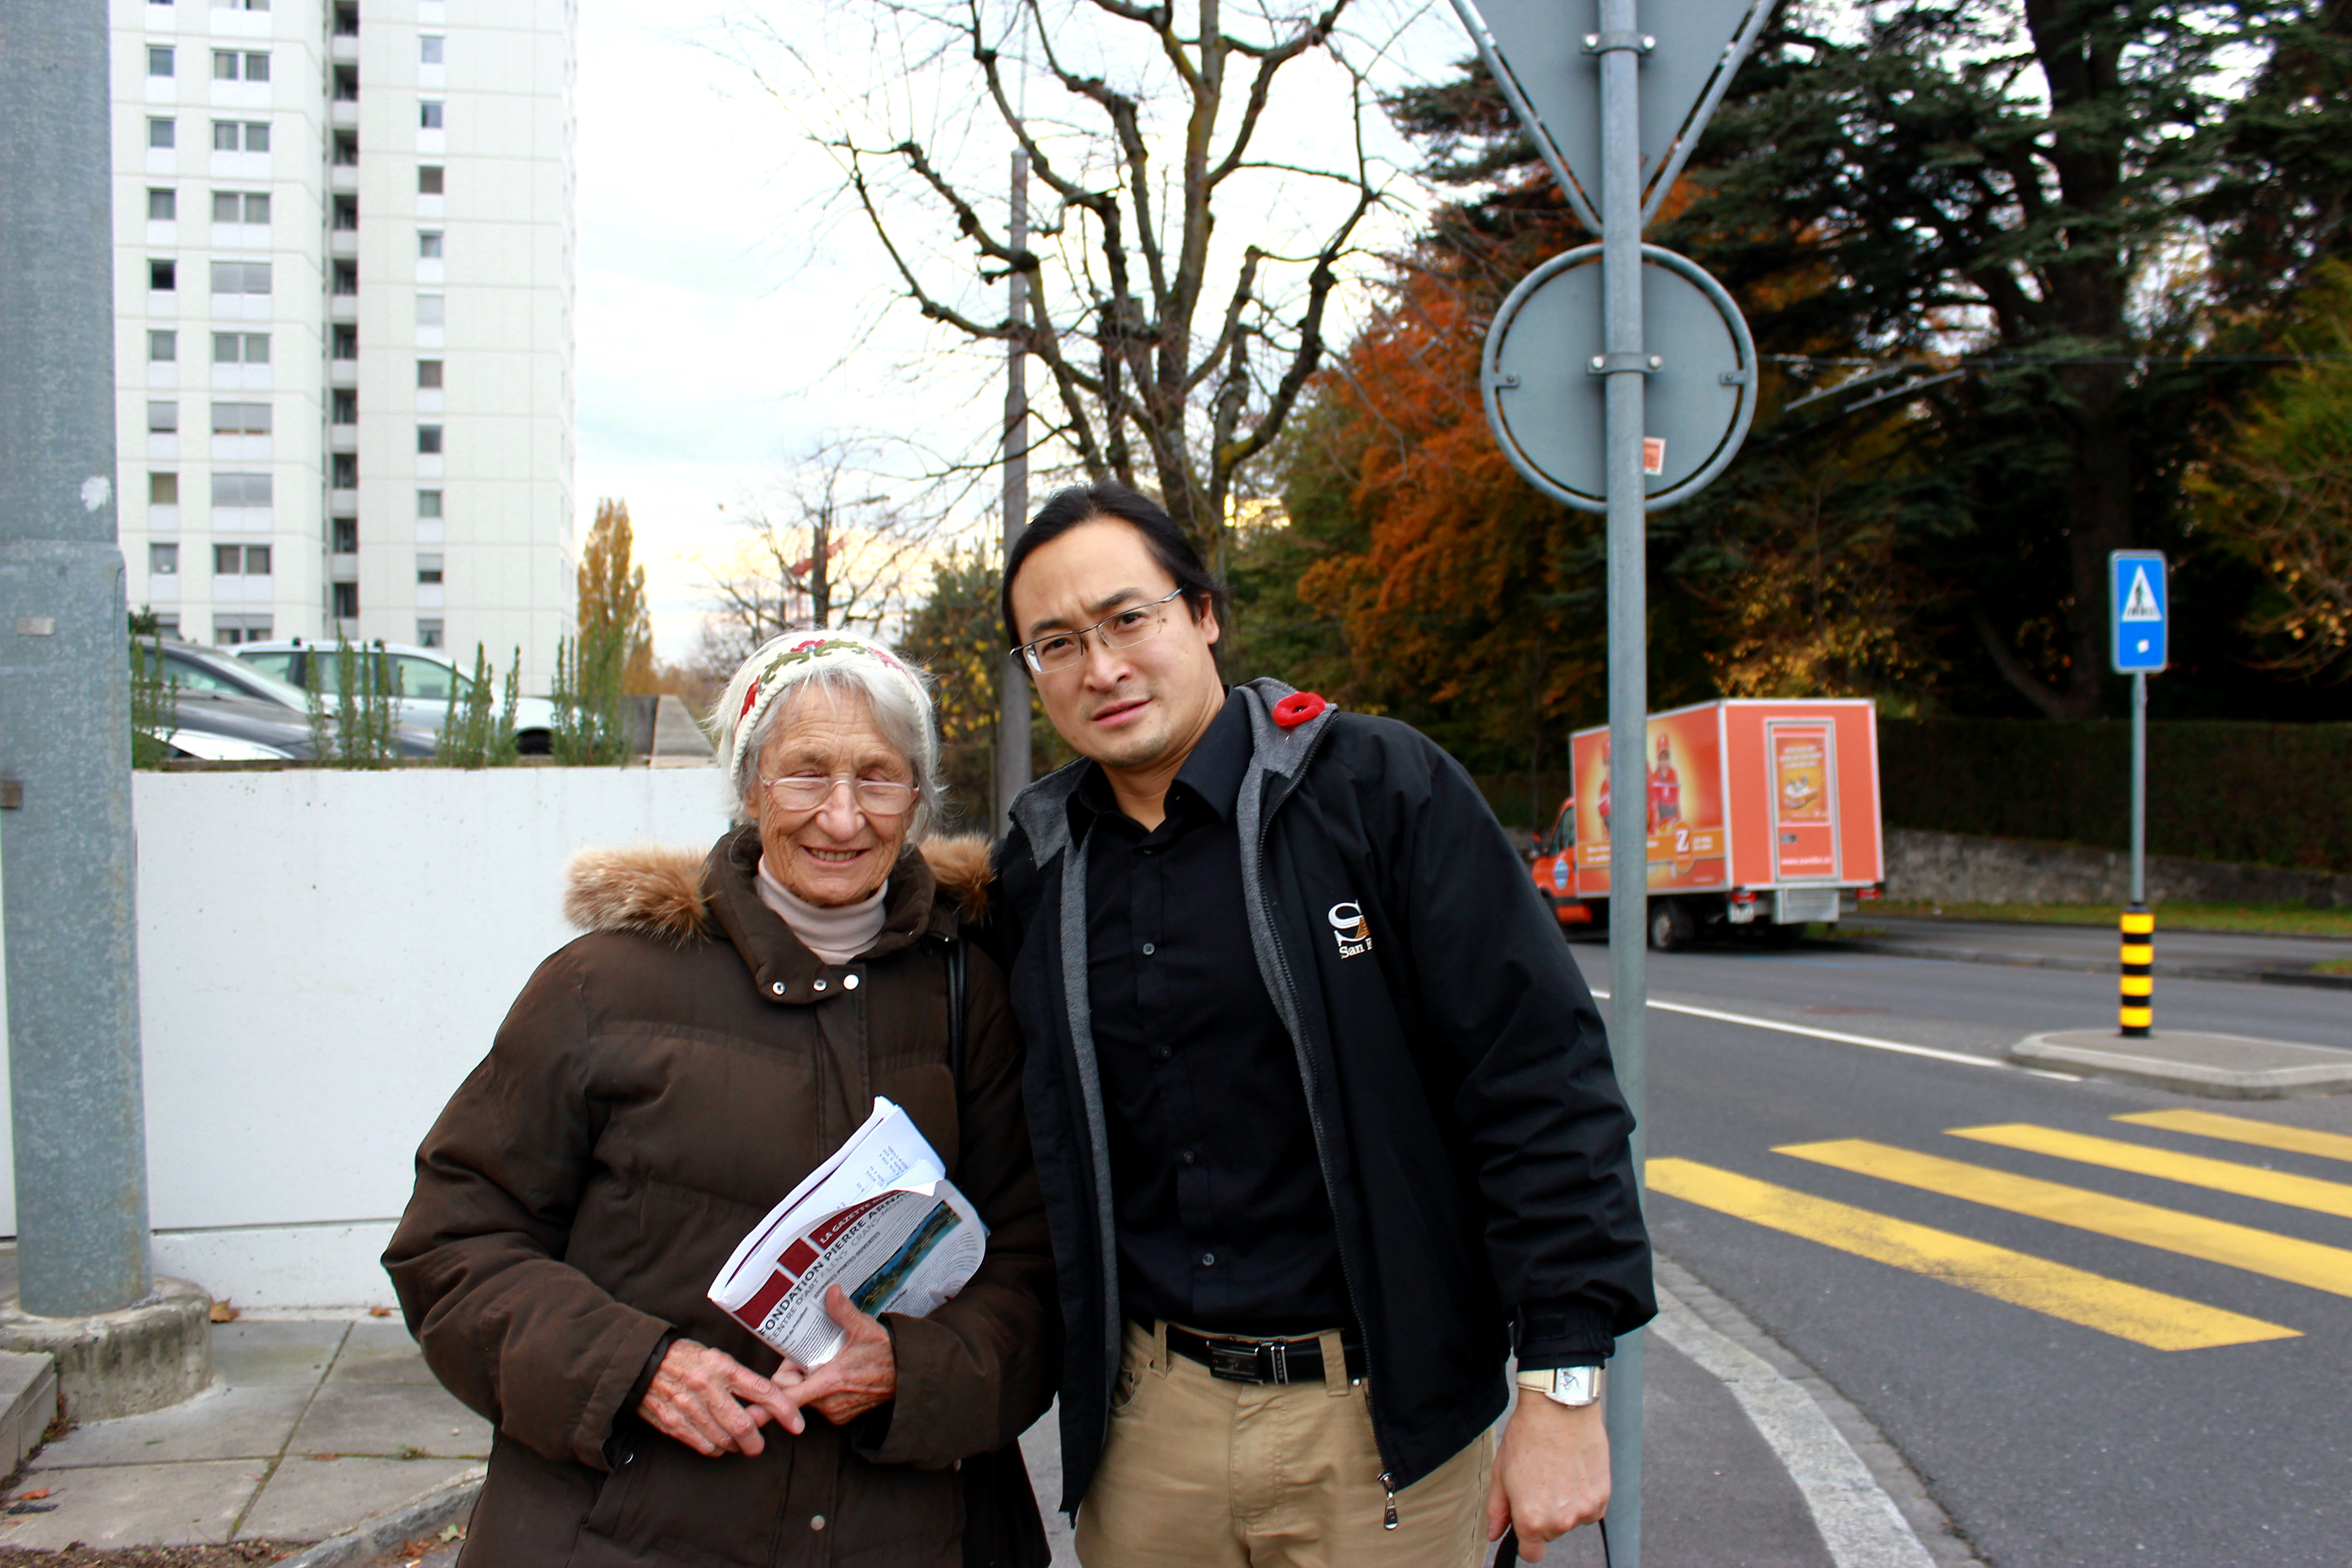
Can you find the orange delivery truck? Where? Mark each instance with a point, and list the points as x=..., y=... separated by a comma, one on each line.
x=1759, y=813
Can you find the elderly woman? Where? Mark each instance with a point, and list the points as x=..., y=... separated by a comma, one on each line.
x=663, y=1082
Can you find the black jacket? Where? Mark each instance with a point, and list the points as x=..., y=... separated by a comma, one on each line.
x=1472, y=1136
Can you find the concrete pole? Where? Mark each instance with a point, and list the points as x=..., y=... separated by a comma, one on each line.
x=1629, y=686
x=67, y=862
x=1012, y=677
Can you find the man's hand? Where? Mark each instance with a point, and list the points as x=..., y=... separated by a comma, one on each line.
x=863, y=1376
x=694, y=1394
x=1551, y=1474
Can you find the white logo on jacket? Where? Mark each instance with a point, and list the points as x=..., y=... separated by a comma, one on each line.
x=1350, y=930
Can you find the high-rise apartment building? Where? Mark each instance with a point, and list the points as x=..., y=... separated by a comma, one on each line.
x=343, y=260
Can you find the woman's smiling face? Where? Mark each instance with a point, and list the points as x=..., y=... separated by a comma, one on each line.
x=835, y=853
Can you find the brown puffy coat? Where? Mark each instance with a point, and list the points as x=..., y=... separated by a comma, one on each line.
x=659, y=1086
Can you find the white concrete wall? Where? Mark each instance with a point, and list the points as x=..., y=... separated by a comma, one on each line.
x=323, y=957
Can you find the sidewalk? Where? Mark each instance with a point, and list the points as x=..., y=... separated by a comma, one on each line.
x=2258, y=958
x=315, y=1424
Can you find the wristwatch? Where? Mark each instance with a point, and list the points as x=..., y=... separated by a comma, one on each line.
x=1574, y=1387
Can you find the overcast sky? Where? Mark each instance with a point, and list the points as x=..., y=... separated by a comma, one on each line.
x=719, y=284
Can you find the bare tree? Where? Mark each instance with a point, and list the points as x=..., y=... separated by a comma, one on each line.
x=1164, y=351
x=834, y=550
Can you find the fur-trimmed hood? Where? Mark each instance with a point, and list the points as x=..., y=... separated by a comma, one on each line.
x=656, y=889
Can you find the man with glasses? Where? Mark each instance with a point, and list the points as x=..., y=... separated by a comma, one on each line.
x=1323, y=1111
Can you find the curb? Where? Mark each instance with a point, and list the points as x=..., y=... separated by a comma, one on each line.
x=2093, y=966
x=1896, y=1483
x=428, y=1513
x=2122, y=1066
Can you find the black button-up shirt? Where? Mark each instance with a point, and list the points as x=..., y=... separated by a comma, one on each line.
x=1223, y=1223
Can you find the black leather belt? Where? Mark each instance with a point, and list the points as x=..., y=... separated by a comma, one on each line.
x=1260, y=1360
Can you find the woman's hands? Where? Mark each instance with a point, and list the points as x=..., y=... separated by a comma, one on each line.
x=694, y=1397
x=865, y=1375
x=699, y=1396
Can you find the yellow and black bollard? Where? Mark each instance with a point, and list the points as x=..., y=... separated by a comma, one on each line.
x=2137, y=1012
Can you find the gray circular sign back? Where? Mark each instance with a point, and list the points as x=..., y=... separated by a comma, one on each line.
x=1546, y=407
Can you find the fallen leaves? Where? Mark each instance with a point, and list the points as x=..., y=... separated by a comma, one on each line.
x=223, y=1311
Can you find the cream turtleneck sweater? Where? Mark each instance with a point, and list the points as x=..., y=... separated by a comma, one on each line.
x=834, y=935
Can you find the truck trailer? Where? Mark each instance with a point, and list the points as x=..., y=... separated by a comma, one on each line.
x=1759, y=813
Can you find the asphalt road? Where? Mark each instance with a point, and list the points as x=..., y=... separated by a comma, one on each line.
x=2034, y=1401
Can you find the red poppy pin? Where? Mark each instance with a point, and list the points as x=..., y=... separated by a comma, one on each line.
x=1297, y=707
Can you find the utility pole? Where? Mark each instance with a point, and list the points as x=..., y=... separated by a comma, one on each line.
x=67, y=861
x=1012, y=679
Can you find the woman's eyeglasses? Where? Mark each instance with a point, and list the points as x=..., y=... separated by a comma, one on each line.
x=807, y=792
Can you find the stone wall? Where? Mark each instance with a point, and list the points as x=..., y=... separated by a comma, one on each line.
x=1951, y=868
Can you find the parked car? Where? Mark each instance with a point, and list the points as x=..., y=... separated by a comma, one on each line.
x=425, y=675
x=228, y=710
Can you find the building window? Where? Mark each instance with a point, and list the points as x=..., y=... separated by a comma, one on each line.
x=428, y=243
x=159, y=59
x=428, y=503
x=347, y=149
x=240, y=419
x=240, y=348
x=347, y=213
x=163, y=490
x=347, y=276
x=168, y=626
x=346, y=406
x=163, y=277
x=429, y=115
x=428, y=179
x=240, y=277
x=346, y=341
x=240, y=135
x=162, y=347
x=163, y=205
x=162, y=560
x=428, y=634
x=163, y=133
x=346, y=601
x=241, y=489
x=240, y=5
x=346, y=471
x=231, y=64
x=431, y=49
x=428, y=373
x=432, y=310
x=163, y=419
x=228, y=631
x=347, y=21
x=428, y=568
x=428, y=438
x=347, y=536
x=347, y=84
x=240, y=561
x=241, y=206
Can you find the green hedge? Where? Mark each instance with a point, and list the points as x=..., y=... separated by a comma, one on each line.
x=2266, y=794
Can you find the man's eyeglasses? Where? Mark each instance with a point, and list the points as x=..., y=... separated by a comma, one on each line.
x=1136, y=623
x=807, y=792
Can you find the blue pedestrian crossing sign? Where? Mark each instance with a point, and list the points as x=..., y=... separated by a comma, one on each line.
x=2138, y=611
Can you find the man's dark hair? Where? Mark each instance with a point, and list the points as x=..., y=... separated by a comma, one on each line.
x=1075, y=504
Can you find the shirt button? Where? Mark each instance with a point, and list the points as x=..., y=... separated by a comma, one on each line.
x=778, y=988
x=1208, y=1260
x=849, y=983
x=1190, y=1156
x=1163, y=1052
x=816, y=1521
x=820, y=985
x=1150, y=947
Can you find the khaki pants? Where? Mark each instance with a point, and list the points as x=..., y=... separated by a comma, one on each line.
x=1203, y=1473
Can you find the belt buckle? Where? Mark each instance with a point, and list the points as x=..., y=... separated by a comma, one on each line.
x=1234, y=1363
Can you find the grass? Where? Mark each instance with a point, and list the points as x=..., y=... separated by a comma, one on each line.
x=2334, y=966
x=2285, y=918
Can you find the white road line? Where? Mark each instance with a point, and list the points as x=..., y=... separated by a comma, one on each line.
x=1859, y=1522
x=1843, y=1038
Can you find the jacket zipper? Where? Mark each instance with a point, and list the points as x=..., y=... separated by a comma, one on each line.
x=1257, y=872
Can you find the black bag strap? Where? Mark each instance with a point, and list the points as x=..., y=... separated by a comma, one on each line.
x=954, y=956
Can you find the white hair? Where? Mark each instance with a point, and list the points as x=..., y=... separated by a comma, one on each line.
x=840, y=663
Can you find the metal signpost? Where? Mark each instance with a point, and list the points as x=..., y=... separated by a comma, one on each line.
x=1567, y=378
x=2139, y=600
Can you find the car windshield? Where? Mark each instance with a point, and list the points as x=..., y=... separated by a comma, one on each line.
x=428, y=678
x=197, y=671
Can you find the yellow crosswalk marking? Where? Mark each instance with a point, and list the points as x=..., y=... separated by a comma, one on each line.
x=2195, y=1170
x=2127, y=1312
x=2284, y=1257
x=2246, y=1130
